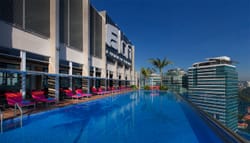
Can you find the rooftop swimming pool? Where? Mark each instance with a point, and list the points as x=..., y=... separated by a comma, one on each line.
x=135, y=117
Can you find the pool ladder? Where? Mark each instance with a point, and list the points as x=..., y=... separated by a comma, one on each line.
x=1, y=118
x=21, y=112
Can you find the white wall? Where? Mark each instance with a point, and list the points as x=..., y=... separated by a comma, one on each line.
x=72, y=55
x=12, y=37
x=96, y=62
x=111, y=67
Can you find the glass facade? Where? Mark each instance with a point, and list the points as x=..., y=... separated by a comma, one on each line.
x=64, y=22
x=37, y=16
x=33, y=16
x=214, y=89
x=11, y=11
x=95, y=33
x=71, y=20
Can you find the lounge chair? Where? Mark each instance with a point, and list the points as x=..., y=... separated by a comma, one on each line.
x=97, y=92
x=14, y=98
x=113, y=90
x=120, y=88
x=39, y=96
x=70, y=94
x=103, y=90
x=79, y=91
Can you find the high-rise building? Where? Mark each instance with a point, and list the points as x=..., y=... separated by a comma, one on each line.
x=175, y=78
x=154, y=80
x=213, y=86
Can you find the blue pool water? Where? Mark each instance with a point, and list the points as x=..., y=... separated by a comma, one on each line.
x=136, y=117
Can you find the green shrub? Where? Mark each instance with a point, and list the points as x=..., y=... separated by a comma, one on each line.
x=146, y=87
x=133, y=87
x=163, y=87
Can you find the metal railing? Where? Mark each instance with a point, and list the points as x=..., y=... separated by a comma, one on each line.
x=21, y=113
x=224, y=132
x=1, y=124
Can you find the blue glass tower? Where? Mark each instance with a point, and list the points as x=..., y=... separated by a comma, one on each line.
x=213, y=86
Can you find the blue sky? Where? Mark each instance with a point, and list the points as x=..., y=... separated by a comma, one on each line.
x=184, y=31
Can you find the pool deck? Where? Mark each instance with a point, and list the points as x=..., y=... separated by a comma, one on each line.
x=8, y=113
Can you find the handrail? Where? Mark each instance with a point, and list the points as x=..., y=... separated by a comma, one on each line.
x=21, y=112
x=1, y=124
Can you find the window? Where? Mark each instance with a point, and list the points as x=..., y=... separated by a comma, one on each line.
x=37, y=14
x=11, y=11
x=71, y=21
x=64, y=25
x=114, y=34
x=123, y=48
x=76, y=16
x=37, y=18
x=129, y=54
x=112, y=40
x=9, y=79
x=95, y=33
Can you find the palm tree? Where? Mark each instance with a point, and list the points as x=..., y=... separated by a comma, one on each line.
x=146, y=72
x=160, y=64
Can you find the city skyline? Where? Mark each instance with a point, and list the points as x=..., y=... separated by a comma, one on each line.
x=185, y=31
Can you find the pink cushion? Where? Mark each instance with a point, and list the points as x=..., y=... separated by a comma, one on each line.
x=17, y=96
x=38, y=94
x=94, y=89
x=100, y=89
x=78, y=91
x=68, y=92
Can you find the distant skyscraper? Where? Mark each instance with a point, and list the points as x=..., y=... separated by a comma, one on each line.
x=213, y=86
x=176, y=80
x=248, y=83
x=154, y=80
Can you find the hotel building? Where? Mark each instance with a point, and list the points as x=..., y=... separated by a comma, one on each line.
x=212, y=86
x=119, y=54
x=53, y=44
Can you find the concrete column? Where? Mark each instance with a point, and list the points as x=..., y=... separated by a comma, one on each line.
x=86, y=40
x=119, y=42
x=124, y=72
x=104, y=67
x=116, y=63
x=70, y=68
x=57, y=88
x=94, y=75
x=88, y=85
x=70, y=73
x=133, y=63
x=108, y=78
x=106, y=84
x=23, y=69
x=23, y=60
x=54, y=44
x=115, y=71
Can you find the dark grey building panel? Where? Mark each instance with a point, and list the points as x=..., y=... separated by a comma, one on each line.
x=37, y=16
x=71, y=23
x=95, y=33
